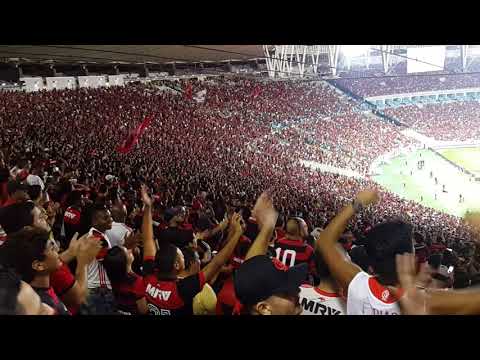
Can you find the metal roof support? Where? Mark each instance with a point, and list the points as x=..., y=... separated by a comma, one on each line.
x=301, y=55
x=269, y=61
x=333, y=52
x=315, y=57
x=385, y=49
x=464, y=55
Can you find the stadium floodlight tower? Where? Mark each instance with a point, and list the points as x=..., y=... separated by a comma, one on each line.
x=294, y=60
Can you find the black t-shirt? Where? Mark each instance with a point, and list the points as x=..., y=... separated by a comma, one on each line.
x=178, y=237
x=49, y=297
x=170, y=296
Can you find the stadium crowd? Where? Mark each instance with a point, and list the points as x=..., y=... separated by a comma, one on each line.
x=178, y=226
x=445, y=121
x=377, y=86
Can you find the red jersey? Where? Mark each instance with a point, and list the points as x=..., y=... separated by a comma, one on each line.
x=128, y=293
x=62, y=281
x=72, y=216
x=294, y=252
x=170, y=296
x=226, y=298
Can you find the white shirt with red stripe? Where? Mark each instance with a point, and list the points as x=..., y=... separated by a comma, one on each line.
x=96, y=274
x=315, y=301
x=117, y=233
x=3, y=236
x=366, y=296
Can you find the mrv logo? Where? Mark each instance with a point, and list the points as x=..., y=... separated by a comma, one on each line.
x=157, y=293
x=317, y=308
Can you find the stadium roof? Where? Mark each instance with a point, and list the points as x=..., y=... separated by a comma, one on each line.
x=128, y=54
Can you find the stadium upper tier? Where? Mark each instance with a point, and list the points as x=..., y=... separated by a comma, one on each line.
x=378, y=86
x=459, y=121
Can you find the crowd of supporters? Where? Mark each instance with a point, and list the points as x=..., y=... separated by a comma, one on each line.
x=178, y=226
x=445, y=121
x=377, y=86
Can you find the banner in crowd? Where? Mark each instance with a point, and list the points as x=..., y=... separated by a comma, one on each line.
x=134, y=136
x=200, y=96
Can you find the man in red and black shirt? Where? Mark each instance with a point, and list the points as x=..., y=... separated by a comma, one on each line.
x=72, y=217
x=165, y=293
x=291, y=249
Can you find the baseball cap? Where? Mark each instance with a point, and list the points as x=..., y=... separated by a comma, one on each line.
x=260, y=277
x=35, y=180
x=15, y=185
x=172, y=212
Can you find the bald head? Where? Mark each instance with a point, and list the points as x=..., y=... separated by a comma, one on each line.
x=296, y=227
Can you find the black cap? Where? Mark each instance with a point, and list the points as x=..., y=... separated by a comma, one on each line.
x=172, y=212
x=260, y=277
x=15, y=185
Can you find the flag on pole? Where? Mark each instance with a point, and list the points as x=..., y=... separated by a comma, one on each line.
x=134, y=136
x=188, y=91
x=256, y=91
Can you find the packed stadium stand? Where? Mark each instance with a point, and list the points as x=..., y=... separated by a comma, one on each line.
x=187, y=191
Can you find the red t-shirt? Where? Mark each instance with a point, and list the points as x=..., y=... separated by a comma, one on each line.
x=9, y=202
x=72, y=216
x=62, y=281
x=226, y=298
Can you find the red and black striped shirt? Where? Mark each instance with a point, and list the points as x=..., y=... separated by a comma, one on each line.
x=170, y=296
x=294, y=252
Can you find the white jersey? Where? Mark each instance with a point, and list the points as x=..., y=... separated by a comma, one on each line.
x=96, y=274
x=117, y=234
x=366, y=296
x=318, y=302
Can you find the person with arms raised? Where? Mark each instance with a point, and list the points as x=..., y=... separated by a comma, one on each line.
x=264, y=285
x=165, y=293
x=366, y=294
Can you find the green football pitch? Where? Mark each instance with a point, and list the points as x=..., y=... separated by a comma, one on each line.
x=402, y=176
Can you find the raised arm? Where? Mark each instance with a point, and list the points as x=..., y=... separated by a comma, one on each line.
x=341, y=268
x=266, y=217
x=207, y=234
x=149, y=248
x=432, y=302
x=234, y=234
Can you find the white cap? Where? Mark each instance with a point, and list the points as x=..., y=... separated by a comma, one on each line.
x=109, y=177
x=35, y=180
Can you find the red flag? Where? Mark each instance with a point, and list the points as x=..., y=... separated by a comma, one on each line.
x=256, y=91
x=134, y=136
x=188, y=91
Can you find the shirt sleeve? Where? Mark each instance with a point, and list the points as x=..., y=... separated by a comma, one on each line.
x=148, y=265
x=191, y=286
x=62, y=280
